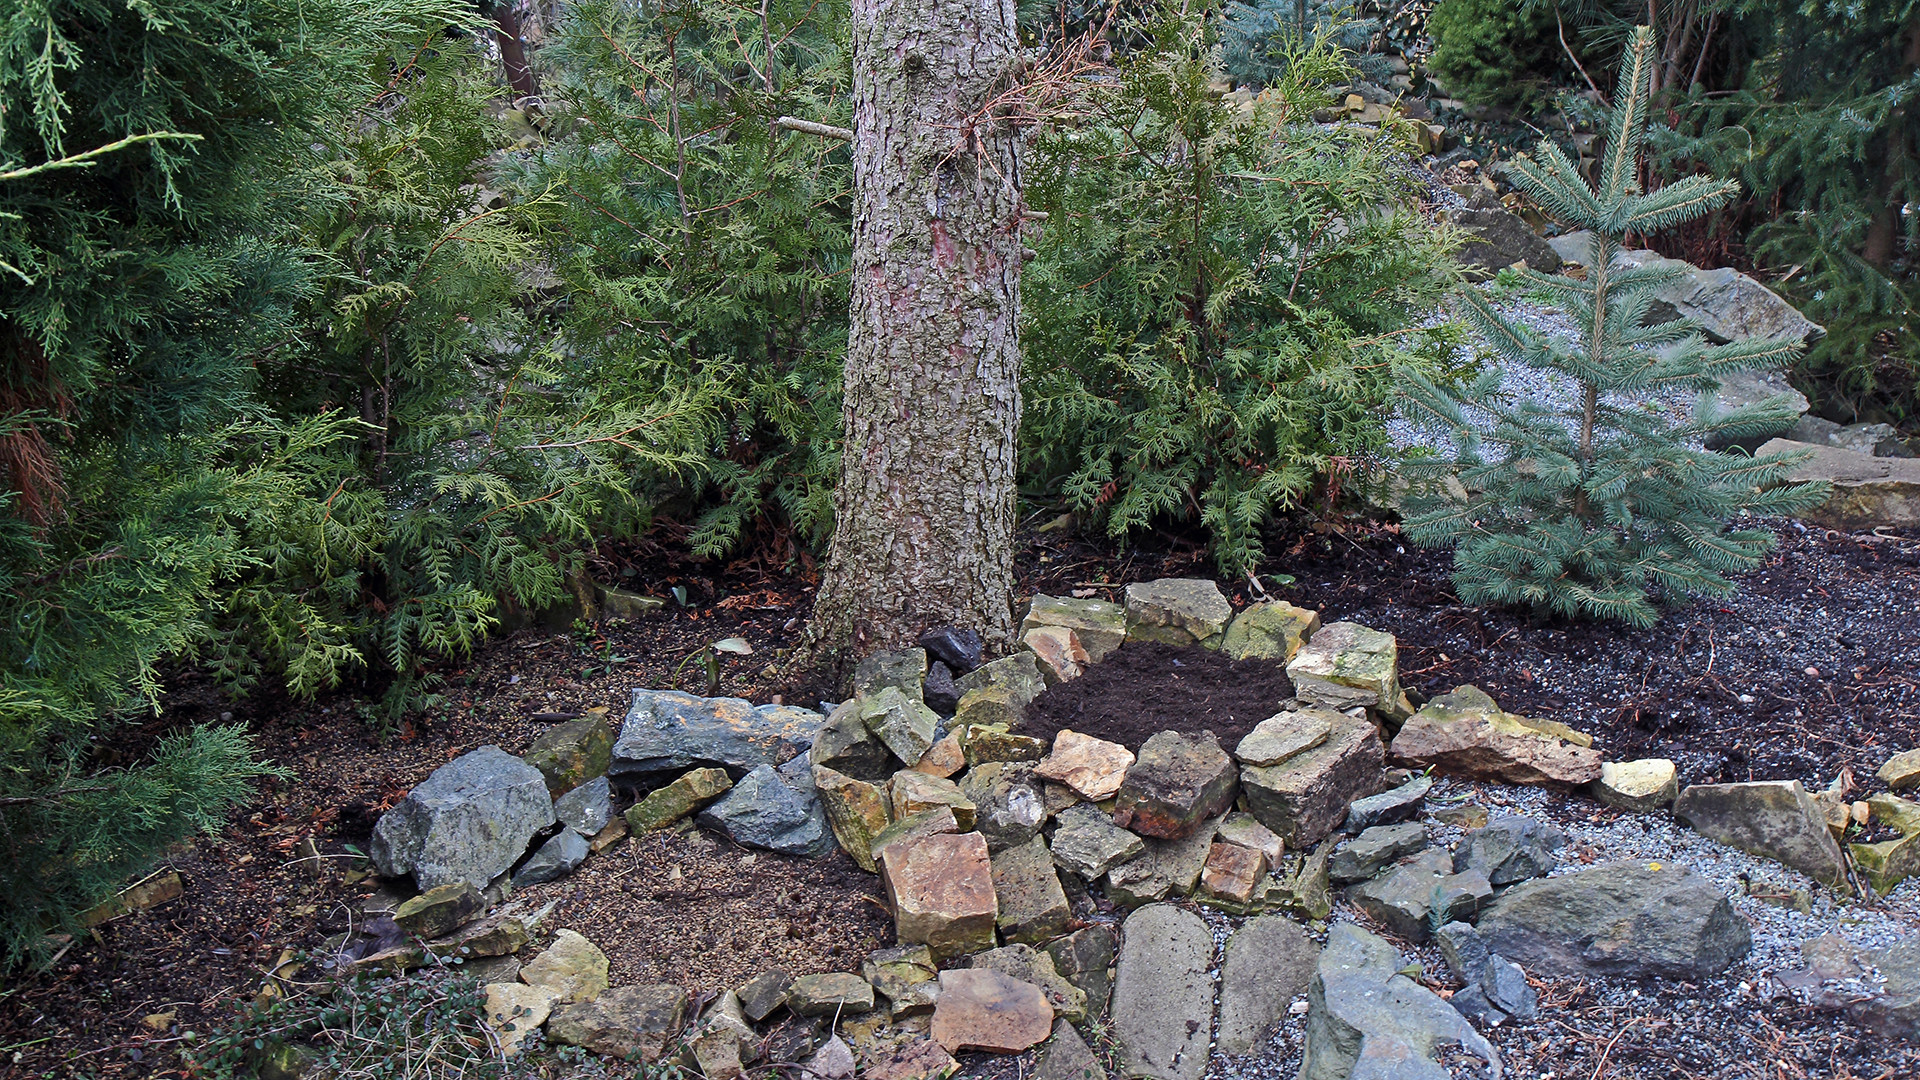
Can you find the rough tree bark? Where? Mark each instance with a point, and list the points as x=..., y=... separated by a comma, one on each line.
x=924, y=514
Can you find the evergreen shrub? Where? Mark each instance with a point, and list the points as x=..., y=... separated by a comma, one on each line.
x=1494, y=52
x=702, y=246
x=1220, y=295
x=1603, y=507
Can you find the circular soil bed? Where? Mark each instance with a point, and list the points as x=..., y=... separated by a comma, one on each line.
x=1143, y=688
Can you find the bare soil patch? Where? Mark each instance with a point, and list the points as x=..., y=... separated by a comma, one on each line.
x=1146, y=687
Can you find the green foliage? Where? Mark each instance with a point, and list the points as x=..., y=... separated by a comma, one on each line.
x=1220, y=295
x=703, y=246
x=151, y=166
x=1258, y=39
x=474, y=460
x=1494, y=52
x=1600, y=508
x=1824, y=127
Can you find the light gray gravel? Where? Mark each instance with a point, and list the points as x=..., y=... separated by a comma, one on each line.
x=1519, y=382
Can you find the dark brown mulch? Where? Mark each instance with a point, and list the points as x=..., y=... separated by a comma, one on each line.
x=1145, y=687
x=1812, y=667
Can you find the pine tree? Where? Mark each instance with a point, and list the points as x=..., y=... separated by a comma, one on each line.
x=1600, y=507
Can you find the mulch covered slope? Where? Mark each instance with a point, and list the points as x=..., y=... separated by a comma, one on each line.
x=1145, y=687
x=1722, y=688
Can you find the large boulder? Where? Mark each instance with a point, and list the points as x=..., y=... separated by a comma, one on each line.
x=1367, y=1020
x=767, y=810
x=1179, y=781
x=1727, y=304
x=1464, y=733
x=1178, y=611
x=1305, y=797
x=1867, y=492
x=470, y=821
x=1162, y=1013
x=1629, y=919
x=1774, y=819
x=667, y=732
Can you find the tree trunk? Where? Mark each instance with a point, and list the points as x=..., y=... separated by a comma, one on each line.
x=924, y=514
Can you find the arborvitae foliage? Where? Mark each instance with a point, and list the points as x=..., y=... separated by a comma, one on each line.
x=1601, y=507
x=469, y=462
x=149, y=166
x=702, y=245
x=1220, y=294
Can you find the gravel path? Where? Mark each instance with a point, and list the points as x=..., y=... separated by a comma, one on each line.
x=1740, y=1024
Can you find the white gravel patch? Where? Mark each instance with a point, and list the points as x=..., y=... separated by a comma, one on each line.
x=1519, y=382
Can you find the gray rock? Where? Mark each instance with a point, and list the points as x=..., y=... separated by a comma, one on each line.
x=1303, y=798
x=830, y=994
x=470, y=821
x=902, y=724
x=1872, y=439
x=1366, y=1020
x=1178, y=781
x=629, y=1020
x=1895, y=1010
x=1099, y=626
x=1510, y=849
x=1399, y=804
x=1085, y=959
x=1507, y=989
x=1419, y=894
x=1867, y=492
x=939, y=692
x=556, y=858
x=1464, y=949
x=762, y=810
x=1008, y=809
x=1269, y=962
x=1065, y=1056
x=846, y=746
x=908, y=976
x=958, y=649
x=1163, y=994
x=1727, y=304
x=587, y=808
x=1177, y=611
x=1167, y=868
x=762, y=994
x=1497, y=239
x=1032, y=905
x=1774, y=819
x=905, y=671
x=1019, y=673
x=1630, y=919
x=1088, y=843
x=1370, y=852
x=1285, y=734
x=667, y=732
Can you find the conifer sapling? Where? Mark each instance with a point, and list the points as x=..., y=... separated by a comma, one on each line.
x=1601, y=506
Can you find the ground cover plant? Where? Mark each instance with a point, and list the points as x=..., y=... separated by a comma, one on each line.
x=1606, y=509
